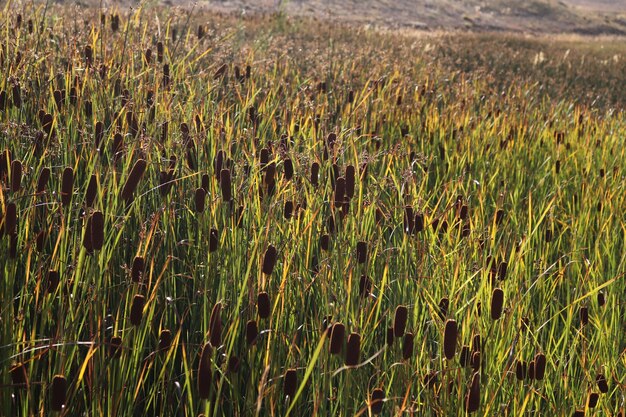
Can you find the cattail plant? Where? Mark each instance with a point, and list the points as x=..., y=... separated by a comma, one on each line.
x=530, y=372
x=269, y=260
x=17, y=95
x=400, y=320
x=584, y=316
x=407, y=346
x=115, y=347
x=288, y=169
x=365, y=286
x=225, y=185
x=325, y=242
x=336, y=338
x=67, y=185
x=136, y=309
x=475, y=361
x=361, y=252
x=252, y=332
x=409, y=220
x=16, y=176
x=137, y=269
x=165, y=340
x=40, y=240
x=540, y=366
x=10, y=219
x=592, y=401
x=133, y=179
x=160, y=51
x=449, y=338
x=602, y=383
x=199, y=198
x=87, y=242
x=497, y=301
x=92, y=190
x=213, y=240
x=215, y=326
x=58, y=393
x=353, y=349
x=520, y=370
x=315, y=172
x=97, y=230
x=442, y=307
x=601, y=299
x=472, y=398
x=263, y=305
x=19, y=377
x=204, y=372
x=290, y=383
x=54, y=280
x=377, y=400
x=465, y=356
x=288, y=210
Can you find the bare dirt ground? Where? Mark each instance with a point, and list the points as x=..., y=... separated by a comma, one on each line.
x=593, y=17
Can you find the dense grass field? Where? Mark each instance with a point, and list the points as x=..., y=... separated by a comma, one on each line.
x=214, y=215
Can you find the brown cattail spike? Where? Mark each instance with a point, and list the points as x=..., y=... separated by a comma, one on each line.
x=67, y=185
x=97, y=230
x=136, y=309
x=336, y=338
x=377, y=400
x=592, y=401
x=19, y=377
x=584, y=316
x=603, y=386
x=601, y=299
x=115, y=347
x=165, y=340
x=10, y=219
x=399, y=320
x=540, y=366
x=16, y=176
x=137, y=270
x=520, y=370
x=58, y=392
x=133, y=179
x=214, y=240
x=407, y=346
x=290, y=383
x=53, y=281
x=252, y=332
x=92, y=191
x=199, y=198
x=263, y=305
x=472, y=399
x=449, y=338
x=204, y=372
x=225, y=185
x=361, y=252
x=497, y=301
x=390, y=336
x=315, y=172
x=530, y=373
x=44, y=176
x=215, y=326
x=269, y=260
x=353, y=349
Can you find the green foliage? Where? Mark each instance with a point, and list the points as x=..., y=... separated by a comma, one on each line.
x=517, y=179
